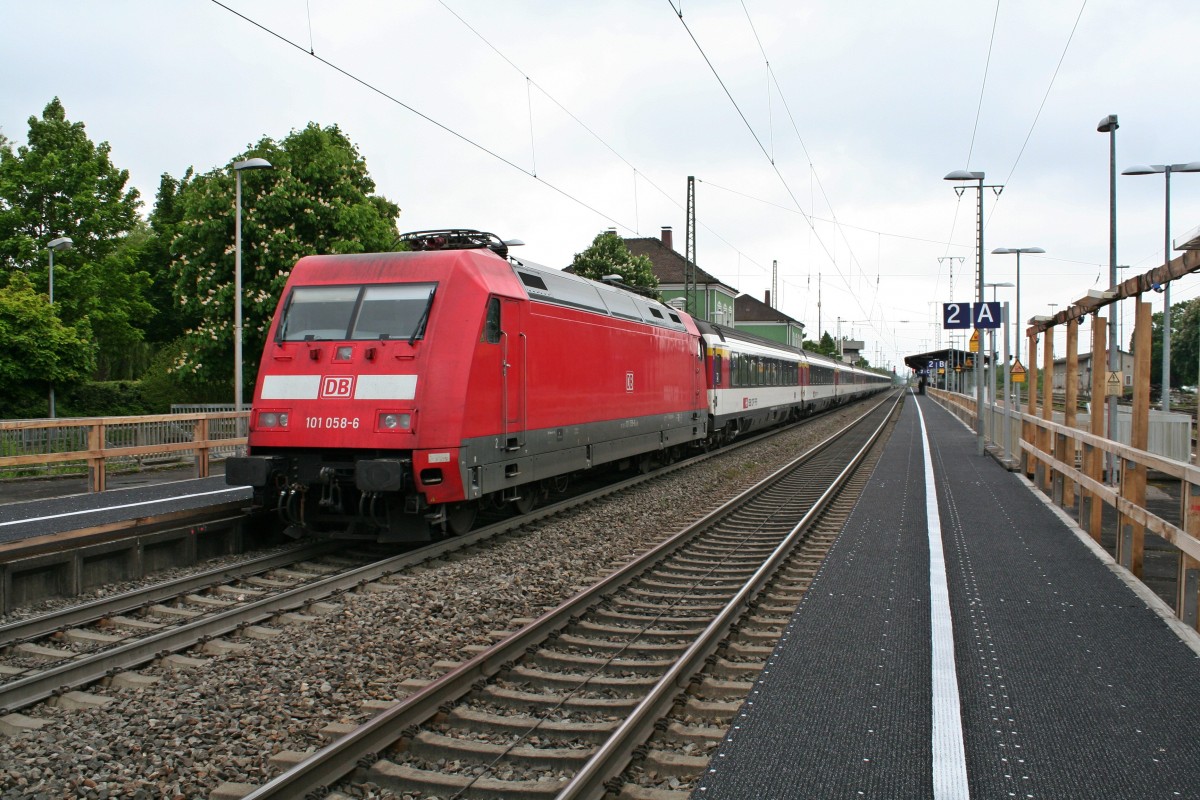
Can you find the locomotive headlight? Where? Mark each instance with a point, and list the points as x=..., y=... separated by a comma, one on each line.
x=272, y=419
x=395, y=421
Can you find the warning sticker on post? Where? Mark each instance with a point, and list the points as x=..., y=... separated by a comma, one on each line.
x=1113, y=385
x=1016, y=372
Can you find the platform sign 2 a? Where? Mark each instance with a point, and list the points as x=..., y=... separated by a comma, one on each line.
x=970, y=315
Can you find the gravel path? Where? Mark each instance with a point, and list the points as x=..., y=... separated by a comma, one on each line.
x=222, y=719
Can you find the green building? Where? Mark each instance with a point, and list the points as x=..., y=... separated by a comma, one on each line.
x=758, y=317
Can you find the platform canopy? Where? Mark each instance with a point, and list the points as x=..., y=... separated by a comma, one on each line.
x=951, y=355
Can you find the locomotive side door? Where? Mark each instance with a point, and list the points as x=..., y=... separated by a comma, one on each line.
x=513, y=372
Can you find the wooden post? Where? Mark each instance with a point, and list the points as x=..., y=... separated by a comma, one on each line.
x=1047, y=438
x=1065, y=448
x=1094, y=462
x=200, y=437
x=1131, y=535
x=1187, y=592
x=97, y=474
x=1029, y=431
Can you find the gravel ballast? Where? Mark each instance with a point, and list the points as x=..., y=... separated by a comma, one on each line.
x=222, y=719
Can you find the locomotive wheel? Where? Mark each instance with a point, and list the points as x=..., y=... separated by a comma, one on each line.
x=527, y=501
x=460, y=517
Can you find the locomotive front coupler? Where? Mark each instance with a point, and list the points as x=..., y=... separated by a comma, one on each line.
x=331, y=491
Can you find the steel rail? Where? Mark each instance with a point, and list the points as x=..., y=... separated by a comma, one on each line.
x=87, y=613
x=328, y=765
x=614, y=755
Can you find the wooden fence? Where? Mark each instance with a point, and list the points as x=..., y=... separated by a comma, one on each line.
x=98, y=445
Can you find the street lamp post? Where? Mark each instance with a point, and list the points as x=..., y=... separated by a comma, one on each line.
x=1166, y=170
x=61, y=243
x=992, y=346
x=1109, y=125
x=964, y=175
x=238, y=168
x=1017, y=251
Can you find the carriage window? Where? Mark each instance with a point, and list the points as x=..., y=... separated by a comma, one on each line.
x=393, y=312
x=318, y=312
x=491, y=322
x=373, y=312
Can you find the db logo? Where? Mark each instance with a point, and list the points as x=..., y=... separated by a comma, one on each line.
x=337, y=386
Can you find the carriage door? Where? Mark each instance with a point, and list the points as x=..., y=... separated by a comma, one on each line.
x=513, y=368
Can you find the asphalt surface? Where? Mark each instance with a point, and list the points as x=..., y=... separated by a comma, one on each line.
x=36, y=507
x=1069, y=685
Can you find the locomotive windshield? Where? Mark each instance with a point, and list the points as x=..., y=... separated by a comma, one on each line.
x=371, y=312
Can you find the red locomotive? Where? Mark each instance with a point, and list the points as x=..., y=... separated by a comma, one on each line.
x=399, y=390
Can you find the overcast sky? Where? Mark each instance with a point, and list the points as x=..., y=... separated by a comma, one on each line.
x=866, y=105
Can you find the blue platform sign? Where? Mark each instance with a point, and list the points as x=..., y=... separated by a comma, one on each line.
x=956, y=315
x=986, y=315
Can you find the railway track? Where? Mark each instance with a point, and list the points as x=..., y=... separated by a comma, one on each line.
x=48, y=655
x=559, y=708
x=51, y=655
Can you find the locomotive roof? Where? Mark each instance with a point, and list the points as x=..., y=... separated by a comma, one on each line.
x=563, y=288
x=540, y=283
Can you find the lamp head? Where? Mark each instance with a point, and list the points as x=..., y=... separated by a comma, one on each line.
x=61, y=243
x=1003, y=251
x=252, y=163
x=963, y=175
x=1191, y=166
x=1143, y=169
x=1108, y=124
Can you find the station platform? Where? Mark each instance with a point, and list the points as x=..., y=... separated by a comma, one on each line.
x=969, y=642
x=32, y=508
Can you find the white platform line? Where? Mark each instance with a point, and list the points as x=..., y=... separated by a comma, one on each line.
x=949, y=753
x=126, y=505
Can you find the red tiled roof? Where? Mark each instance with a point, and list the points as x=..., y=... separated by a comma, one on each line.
x=669, y=265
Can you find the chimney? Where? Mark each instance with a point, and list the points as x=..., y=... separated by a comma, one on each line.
x=768, y=298
x=667, y=240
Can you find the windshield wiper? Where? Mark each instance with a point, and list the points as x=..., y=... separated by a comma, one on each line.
x=420, y=329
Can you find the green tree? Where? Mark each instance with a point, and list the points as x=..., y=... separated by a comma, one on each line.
x=318, y=199
x=1185, y=344
x=1185, y=341
x=608, y=255
x=39, y=349
x=61, y=184
x=827, y=346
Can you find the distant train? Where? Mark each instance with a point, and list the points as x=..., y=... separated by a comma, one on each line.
x=399, y=392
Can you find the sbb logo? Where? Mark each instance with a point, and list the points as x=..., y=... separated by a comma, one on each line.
x=337, y=386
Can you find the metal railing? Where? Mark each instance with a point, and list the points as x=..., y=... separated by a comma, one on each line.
x=98, y=445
